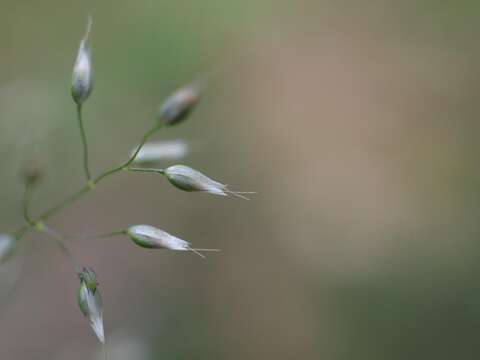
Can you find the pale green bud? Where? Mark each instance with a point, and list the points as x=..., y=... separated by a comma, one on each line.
x=188, y=179
x=154, y=152
x=180, y=104
x=151, y=237
x=89, y=277
x=82, y=77
x=90, y=301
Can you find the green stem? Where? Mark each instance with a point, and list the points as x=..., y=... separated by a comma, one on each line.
x=90, y=185
x=60, y=240
x=142, y=142
x=132, y=158
x=27, y=198
x=72, y=198
x=148, y=170
x=95, y=236
x=21, y=232
x=84, y=142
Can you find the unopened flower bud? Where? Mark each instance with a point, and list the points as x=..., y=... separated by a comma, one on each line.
x=180, y=104
x=8, y=245
x=151, y=237
x=188, y=179
x=90, y=301
x=32, y=173
x=154, y=152
x=82, y=78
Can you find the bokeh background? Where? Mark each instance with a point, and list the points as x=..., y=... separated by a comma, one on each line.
x=356, y=121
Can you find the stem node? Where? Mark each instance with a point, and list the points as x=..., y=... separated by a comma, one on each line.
x=91, y=184
x=39, y=226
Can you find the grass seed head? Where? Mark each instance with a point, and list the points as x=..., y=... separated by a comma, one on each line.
x=90, y=301
x=82, y=77
x=180, y=104
x=153, y=238
x=188, y=179
x=154, y=152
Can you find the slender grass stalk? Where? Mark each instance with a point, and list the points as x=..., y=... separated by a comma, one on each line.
x=27, y=199
x=21, y=232
x=67, y=201
x=47, y=214
x=84, y=143
x=59, y=239
x=132, y=158
x=95, y=236
x=148, y=170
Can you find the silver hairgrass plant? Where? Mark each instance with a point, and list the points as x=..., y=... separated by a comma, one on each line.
x=173, y=111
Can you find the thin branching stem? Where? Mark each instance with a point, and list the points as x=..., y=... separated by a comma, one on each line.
x=144, y=140
x=95, y=236
x=27, y=198
x=60, y=240
x=90, y=186
x=21, y=231
x=132, y=158
x=148, y=170
x=84, y=143
x=67, y=201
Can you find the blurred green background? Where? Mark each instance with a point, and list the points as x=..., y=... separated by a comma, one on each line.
x=357, y=123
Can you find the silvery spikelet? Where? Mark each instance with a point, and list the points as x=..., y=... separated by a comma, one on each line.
x=188, y=179
x=180, y=104
x=151, y=237
x=7, y=247
x=82, y=78
x=90, y=301
x=154, y=152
